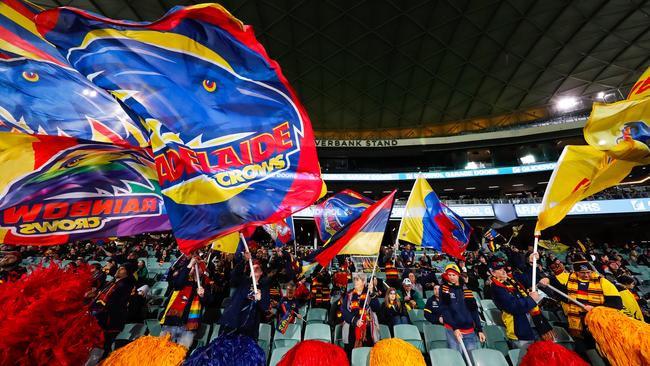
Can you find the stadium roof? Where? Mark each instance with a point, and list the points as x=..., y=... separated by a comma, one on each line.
x=414, y=68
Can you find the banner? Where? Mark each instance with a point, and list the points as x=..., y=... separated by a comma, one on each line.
x=233, y=145
x=281, y=232
x=58, y=189
x=42, y=94
x=337, y=211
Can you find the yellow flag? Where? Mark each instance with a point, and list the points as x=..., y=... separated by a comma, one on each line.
x=553, y=246
x=581, y=172
x=641, y=88
x=621, y=129
x=227, y=243
x=412, y=227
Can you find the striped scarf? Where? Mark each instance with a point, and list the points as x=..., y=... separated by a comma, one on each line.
x=178, y=306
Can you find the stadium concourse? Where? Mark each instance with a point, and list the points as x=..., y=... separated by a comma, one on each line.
x=299, y=183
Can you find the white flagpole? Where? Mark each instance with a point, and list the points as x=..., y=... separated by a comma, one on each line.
x=250, y=263
x=535, y=243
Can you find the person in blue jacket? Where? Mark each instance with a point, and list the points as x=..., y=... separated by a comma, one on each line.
x=517, y=306
x=459, y=312
x=432, y=308
x=246, y=308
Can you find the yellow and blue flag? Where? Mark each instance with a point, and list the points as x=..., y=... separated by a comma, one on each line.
x=230, y=243
x=360, y=237
x=581, y=172
x=427, y=222
x=338, y=210
x=233, y=145
x=281, y=232
x=42, y=94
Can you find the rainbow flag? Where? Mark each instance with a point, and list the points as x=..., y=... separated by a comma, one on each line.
x=233, y=146
x=427, y=222
x=360, y=237
x=55, y=189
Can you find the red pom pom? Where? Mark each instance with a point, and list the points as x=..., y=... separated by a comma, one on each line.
x=314, y=353
x=44, y=320
x=546, y=353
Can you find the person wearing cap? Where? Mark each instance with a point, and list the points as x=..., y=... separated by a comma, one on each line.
x=591, y=289
x=247, y=308
x=10, y=268
x=182, y=317
x=110, y=305
x=459, y=312
x=517, y=307
x=412, y=299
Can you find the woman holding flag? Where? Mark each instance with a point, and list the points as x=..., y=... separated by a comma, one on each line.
x=360, y=327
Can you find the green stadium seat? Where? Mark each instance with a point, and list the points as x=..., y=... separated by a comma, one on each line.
x=550, y=316
x=477, y=296
x=563, y=338
x=488, y=357
x=487, y=304
x=154, y=327
x=409, y=333
x=496, y=338
x=361, y=356
x=277, y=354
x=264, y=338
x=319, y=332
x=594, y=358
x=317, y=315
x=416, y=316
x=445, y=357
x=428, y=293
x=303, y=311
x=513, y=355
x=215, y=332
x=435, y=337
x=338, y=335
x=493, y=317
x=131, y=332
x=289, y=339
x=384, y=331
x=202, y=335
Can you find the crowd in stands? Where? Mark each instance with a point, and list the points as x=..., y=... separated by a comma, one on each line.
x=145, y=281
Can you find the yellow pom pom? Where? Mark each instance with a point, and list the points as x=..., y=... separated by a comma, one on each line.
x=147, y=350
x=394, y=351
x=623, y=340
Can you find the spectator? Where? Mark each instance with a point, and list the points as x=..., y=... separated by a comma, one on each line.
x=392, y=312
x=392, y=274
x=408, y=256
x=412, y=299
x=110, y=304
x=10, y=268
x=517, y=305
x=360, y=329
x=142, y=272
x=432, y=308
x=459, y=312
x=379, y=286
x=629, y=297
x=247, y=307
x=182, y=316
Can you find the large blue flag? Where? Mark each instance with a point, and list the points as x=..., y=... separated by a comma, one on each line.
x=338, y=210
x=427, y=222
x=43, y=94
x=233, y=145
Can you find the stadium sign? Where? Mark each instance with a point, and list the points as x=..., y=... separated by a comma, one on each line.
x=357, y=143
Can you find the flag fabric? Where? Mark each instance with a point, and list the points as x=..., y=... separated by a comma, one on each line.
x=43, y=94
x=554, y=246
x=281, y=232
x=230, y=243
x=360, y=237
x=427, y=222
x=491, y=234
x=581, y=172
x=621, y=129
x=582, y=247
x=59, y=189
x=641, y=88
x=233, y=146
x=337, y=211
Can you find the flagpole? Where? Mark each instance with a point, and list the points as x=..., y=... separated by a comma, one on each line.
x=374, y=268
x=250, y=263
x=535, y=243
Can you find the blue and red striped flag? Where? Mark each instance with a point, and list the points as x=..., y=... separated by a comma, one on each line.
x=362, y=236
x=338, y=210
